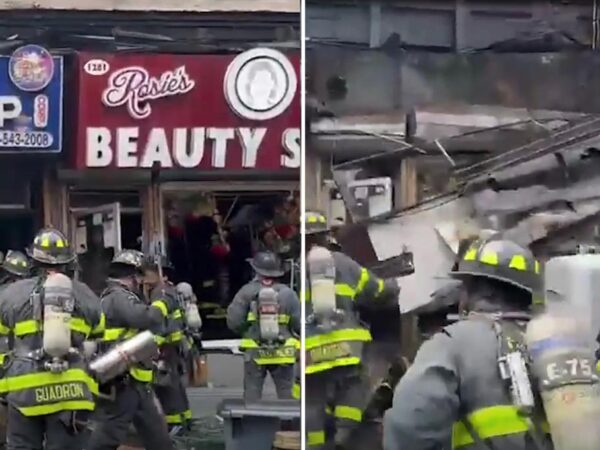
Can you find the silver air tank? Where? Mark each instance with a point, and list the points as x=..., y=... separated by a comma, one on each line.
x=140, y=348
x=561, y=343
x=321, y=272
x=192, y=316
x=58, y=305
x=268, y=314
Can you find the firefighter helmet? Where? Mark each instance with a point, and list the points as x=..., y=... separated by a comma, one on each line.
x=16, y=263
x=267, y=264
x=50, y=246
x=501, y=260
x=132, y=258
x=315, y=222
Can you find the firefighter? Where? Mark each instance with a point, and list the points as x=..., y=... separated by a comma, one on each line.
x=334, y=335
x=15, y=266
x=48, y=317
x=267, y=314
x=171, y=366
x=453, y=395
x=128, y=399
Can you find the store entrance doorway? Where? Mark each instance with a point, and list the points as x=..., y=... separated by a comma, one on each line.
x=16, y=231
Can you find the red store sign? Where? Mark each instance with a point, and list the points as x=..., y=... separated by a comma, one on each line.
x=189, y=111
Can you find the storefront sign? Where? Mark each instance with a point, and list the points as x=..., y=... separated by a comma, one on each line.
x=189, y=111
x=31, y=110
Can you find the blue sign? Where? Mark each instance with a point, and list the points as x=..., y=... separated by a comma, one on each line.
x=31, y=101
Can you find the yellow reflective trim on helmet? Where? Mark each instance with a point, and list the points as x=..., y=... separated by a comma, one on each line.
x=45, y=241
x=348, y=413
x=162, y=306
x=60, y=243
x=44, y=410
x=490, y=422
x=489, y=257
x=349, y=334
x=311, y=219
x=471, y=254
x=315, y=438
x=518, y=262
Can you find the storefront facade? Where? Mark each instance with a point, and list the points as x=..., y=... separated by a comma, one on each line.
x=31, y=140
x=162, y=137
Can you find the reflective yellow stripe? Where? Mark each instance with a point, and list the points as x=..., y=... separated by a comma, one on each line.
x=351, y=334
x=328, y=365
x=275, y=361
x=348, y=413
x=537, y=266
x=471, y=254
x=33, y=380
x=177, y=314
x=160, y=304
x=79, y=325
x=179, y=418
x=328, y=411
x=380, y=286
x=518, y=262
x=99, y=329
x=490, y=422
x=305, y=296
x=362, y=282
x=160, y=340
x=42, y=410
x=283, y=319
x=345, y=290
x=114, y=334
x=598, y=366
x=26, y=327
x=488, y=257
x=176, y=336
x=248, y=343
x=315, y=438
x=296, y=391
x=2, y=358
x=4, y=330
x=143, y=375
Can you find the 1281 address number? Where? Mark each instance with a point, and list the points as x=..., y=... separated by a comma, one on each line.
x=25, y=139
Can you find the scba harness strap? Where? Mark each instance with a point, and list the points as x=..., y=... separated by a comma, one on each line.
x=482, y=425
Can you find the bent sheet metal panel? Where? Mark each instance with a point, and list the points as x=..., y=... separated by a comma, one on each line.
x=433, y=257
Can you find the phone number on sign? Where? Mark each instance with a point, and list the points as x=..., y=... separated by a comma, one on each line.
x=26, y=139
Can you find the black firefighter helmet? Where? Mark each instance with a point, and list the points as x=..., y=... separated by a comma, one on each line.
x=50, y=246
x=133, y=258
x=502, y=260
x=267, y=264
x=16, y=263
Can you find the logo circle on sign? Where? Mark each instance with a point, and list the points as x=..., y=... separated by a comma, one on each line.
x=31, y=68
x=260, y=84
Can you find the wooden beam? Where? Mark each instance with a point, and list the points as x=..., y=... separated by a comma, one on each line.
x=277, y=6
x=409, y=189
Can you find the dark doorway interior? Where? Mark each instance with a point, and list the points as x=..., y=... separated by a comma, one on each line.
x=16, y=231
